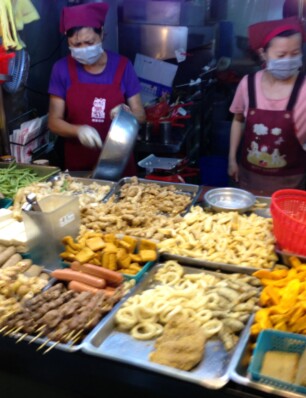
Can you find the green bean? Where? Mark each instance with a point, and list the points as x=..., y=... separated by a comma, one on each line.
x=13, y=178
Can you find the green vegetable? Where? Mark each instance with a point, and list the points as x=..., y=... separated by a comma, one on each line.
x=12, y=178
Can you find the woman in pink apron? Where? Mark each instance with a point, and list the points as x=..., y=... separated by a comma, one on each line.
x=268, y=132
x=86, y=88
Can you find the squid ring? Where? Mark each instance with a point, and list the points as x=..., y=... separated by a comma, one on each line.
x=144, y=313
x=212, y=327
x=126, y=318
x=146, y=330
x=204, y=316
x=169, y=313
x=169, y=278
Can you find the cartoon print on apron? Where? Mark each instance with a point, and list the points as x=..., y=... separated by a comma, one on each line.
x=270, y=146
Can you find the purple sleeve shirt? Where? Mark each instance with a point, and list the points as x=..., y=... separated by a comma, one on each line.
x=60, y=79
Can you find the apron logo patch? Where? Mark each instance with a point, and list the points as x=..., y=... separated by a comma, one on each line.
x=264, y=153
x=98, y=110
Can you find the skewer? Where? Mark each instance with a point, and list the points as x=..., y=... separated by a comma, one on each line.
x=76, y=337
x=17, y=330
x=3, y=329
x=36, y=337
x=68, y=335
x=51, y=347
x=10, y=331
x=43, y=344
x=40, y=328
x=21, y=337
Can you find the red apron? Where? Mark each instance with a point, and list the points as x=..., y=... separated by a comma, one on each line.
x=270, y=147
x=91, y=104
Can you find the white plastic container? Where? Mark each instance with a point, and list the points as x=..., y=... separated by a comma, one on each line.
x=45, y=229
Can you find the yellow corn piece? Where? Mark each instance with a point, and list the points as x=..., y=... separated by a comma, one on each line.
x=273, y=293
x=281, y=326
x=294, y=262
x=255, y=329
x=290, y=294
x=262, y=318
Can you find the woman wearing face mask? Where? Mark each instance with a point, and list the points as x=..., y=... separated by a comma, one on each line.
x=268, y=131
x=87, y=87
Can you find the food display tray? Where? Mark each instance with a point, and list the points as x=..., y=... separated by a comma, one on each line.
x=196, y=262
x=265, y=211
x=43, y=172
x=153, y=162
x=285, y=256
x=87, y=181
x=239, y=368
x=44, y=341
x=192, y=190
x=105, y=341
x=201, y=263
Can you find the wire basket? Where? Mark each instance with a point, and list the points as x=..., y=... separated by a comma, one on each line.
x=288, y=209
x=274, y=340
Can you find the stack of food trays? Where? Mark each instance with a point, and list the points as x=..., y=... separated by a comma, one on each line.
x=214, y=305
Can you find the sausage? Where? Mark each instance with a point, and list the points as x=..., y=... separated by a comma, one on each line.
x=6, y=254
x=109, y=291
x=71, y=275
x=76, y=266
x=82, y=287
x=112, y=278
x=13, y=260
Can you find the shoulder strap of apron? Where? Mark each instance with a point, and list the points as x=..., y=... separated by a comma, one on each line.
x=120, y=70
x=295, y=91
x=72, y=69
x=251, y=90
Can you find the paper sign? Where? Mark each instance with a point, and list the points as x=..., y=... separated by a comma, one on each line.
x=156, y=77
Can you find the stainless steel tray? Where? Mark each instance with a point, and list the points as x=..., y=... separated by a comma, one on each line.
x=44, y=342
x=107, y=342
x=201, y=263
x=153, y=162
x=239, y=366
x=192, y=190
x=265, y=211
x=88, y=181
x=43, y=172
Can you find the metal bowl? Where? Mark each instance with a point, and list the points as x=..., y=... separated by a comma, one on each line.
x=229, y=199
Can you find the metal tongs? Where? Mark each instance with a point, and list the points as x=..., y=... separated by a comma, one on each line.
x=31, y=203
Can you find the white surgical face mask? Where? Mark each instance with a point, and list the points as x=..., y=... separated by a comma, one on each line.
x=284, y=68
x=87, y=55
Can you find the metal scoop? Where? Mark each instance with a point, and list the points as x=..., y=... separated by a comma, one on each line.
x=117, y=147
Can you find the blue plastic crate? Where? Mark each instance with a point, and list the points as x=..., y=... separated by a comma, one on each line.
x=274, y=340
x=140, y=273
x=5, y=203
